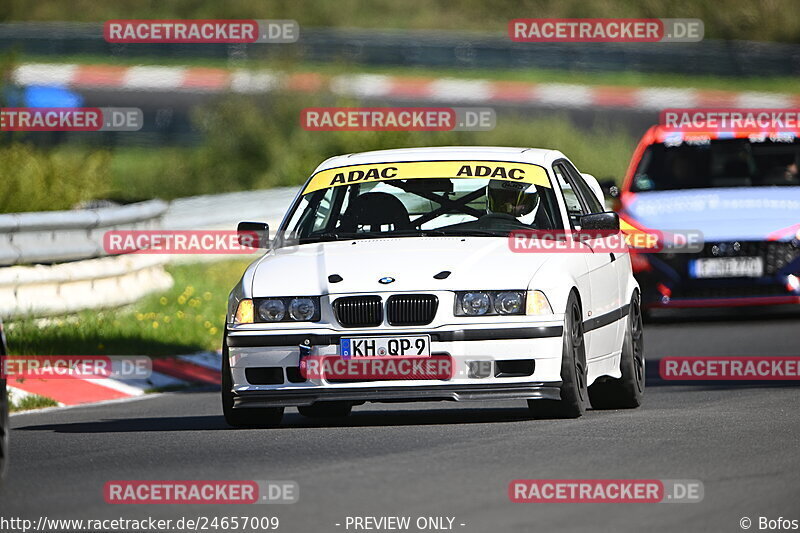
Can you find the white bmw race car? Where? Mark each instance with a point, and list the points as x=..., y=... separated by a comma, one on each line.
x=394, y=277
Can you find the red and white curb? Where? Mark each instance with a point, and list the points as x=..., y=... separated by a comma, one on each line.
x=422, y=89
x=168, y=372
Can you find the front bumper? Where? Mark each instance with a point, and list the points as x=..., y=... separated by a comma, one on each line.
x=666, y=281
x=277, y=354
x=395, y=393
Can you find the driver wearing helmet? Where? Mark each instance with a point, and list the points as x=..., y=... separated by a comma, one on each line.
x=510, y=198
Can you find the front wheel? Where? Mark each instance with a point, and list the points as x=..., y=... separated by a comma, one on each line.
x=244, y=417
x=574, y=395
x=625, y=392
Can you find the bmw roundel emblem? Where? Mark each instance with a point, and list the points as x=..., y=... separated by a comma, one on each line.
x=385, y=281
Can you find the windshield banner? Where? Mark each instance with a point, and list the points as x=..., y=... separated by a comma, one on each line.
x=495, y=170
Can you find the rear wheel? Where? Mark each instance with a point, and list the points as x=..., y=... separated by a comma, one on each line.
x=248, y=416
x=326, y=410
x=574, y=395
x=626, y=391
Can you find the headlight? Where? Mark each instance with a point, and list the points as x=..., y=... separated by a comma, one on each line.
x=475, y=303
x=494, y=303
x=480, y=303
x=288, y=309
x=508, y=303
x=272, y=310
x=302, y=309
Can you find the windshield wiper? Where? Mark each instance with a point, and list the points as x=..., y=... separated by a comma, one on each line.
x=476, y=232
x=416, y=233
x=340, y=236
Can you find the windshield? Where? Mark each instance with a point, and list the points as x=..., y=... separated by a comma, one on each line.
x=754, y=162
x=396, y=207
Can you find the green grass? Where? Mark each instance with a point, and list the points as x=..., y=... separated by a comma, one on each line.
x=188, y=318
x=31, y=402
x=781, y=84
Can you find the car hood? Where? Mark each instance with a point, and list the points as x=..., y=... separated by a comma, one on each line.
x=474, y=263
x=745, y=213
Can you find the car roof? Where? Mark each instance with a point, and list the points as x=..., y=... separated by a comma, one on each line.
x=536, y=156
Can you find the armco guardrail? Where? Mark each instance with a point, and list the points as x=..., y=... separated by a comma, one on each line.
x=432, y=49
x=59, y=263
x=58, y=236
x=76, y=275
x=42, y=290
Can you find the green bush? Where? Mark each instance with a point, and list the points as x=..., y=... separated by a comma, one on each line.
x=732, y=19
x=255, y=143
x=250, y=144
x=40, y=180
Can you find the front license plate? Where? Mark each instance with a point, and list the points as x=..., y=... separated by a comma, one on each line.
x=727, y=267
x=385, y=346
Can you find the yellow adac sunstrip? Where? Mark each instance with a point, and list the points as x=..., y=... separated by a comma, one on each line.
x=376, y=172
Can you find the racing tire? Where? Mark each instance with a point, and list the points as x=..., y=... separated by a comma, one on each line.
x=326, y=410
x=574, y=394
x=625, y=392
x=255, y=417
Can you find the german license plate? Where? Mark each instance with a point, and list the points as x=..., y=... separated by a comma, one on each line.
x=727, y=267
x=419, y=345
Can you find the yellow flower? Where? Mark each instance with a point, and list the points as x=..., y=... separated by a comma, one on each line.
x=155, y=325
x=180, y=314
x=181, y=299
x=206, y=295
x=163, y=300
x=213, y=331
x=207, y=324
x=167, y=319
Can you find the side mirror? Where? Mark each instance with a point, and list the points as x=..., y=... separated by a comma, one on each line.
x=253, y=234
x=607, y=223
x=609, y=187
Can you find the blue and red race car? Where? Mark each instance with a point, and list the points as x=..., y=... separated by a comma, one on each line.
x=742, y=191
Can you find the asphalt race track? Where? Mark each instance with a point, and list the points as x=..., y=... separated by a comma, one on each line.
x=445, y=459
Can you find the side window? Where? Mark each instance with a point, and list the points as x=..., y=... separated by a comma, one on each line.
x=574, y=207
x=585, y=192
